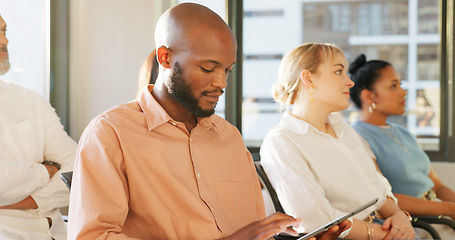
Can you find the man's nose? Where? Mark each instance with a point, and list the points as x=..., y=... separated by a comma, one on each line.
x=220, y=81
x=3, y=40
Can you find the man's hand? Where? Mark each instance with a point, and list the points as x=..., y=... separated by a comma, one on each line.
x=51, y=169
x=334, y=231
x=266, y=228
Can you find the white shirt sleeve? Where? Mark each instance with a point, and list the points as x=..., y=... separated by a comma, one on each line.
x=60, y=148
x=13, y=189
x=31, y=132
x=297, y=188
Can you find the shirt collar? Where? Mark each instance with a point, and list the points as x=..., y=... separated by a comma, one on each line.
x=290, y=122
x=301, y=127
x=155, y=114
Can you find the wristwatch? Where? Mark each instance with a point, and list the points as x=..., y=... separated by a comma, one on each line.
x=46, y=162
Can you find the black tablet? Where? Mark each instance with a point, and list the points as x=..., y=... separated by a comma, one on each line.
x=66, y=178
x=338, y=220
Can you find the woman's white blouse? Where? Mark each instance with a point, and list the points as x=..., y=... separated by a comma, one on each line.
x=318, y=177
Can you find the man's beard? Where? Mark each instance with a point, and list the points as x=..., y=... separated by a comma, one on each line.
x=180, y=90
x=4, y=63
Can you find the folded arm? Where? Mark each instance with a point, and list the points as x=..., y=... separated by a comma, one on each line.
x=59, y=148
x=29, y=202
x=19, y=180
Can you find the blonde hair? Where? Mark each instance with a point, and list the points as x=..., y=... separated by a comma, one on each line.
x=307, y=56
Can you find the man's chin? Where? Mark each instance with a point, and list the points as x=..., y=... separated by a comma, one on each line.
x=203, y=114
x=4, y=66
x=200, y=112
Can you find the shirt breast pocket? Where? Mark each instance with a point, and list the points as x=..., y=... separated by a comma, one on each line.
x=30, y=134
x=238, y=203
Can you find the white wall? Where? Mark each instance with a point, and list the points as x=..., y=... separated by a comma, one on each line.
x=445, y=171
x=109, y=39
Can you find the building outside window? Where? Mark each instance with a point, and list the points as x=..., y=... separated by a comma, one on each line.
x=404, y=33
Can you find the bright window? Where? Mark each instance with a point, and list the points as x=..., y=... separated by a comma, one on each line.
x=404, y=33
x=28, y=34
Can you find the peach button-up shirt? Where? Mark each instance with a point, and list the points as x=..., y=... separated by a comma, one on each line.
x=139, y=174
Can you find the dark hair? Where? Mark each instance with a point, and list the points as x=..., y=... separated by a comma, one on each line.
x=364, y=74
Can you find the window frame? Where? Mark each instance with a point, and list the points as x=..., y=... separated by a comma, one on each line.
x=446, y=153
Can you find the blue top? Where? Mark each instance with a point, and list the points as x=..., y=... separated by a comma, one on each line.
x=399, y=157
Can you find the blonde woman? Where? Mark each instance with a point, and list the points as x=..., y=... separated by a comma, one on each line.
x=316, y=162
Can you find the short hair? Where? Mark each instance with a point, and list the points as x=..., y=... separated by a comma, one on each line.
x=364, y=74
x=307, y=56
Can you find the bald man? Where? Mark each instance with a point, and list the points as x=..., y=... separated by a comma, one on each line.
x=164, y=166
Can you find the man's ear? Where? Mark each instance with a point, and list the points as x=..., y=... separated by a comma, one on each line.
x=305, y=77
x=162, y=55
x=367, y=96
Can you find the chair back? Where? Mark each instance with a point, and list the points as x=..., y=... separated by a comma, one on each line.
x=266, y=183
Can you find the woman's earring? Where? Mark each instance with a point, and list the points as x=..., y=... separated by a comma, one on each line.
x=372, y=107
x=311, y=94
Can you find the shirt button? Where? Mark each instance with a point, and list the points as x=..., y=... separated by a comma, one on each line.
x=198, y=175
x=173, y=123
